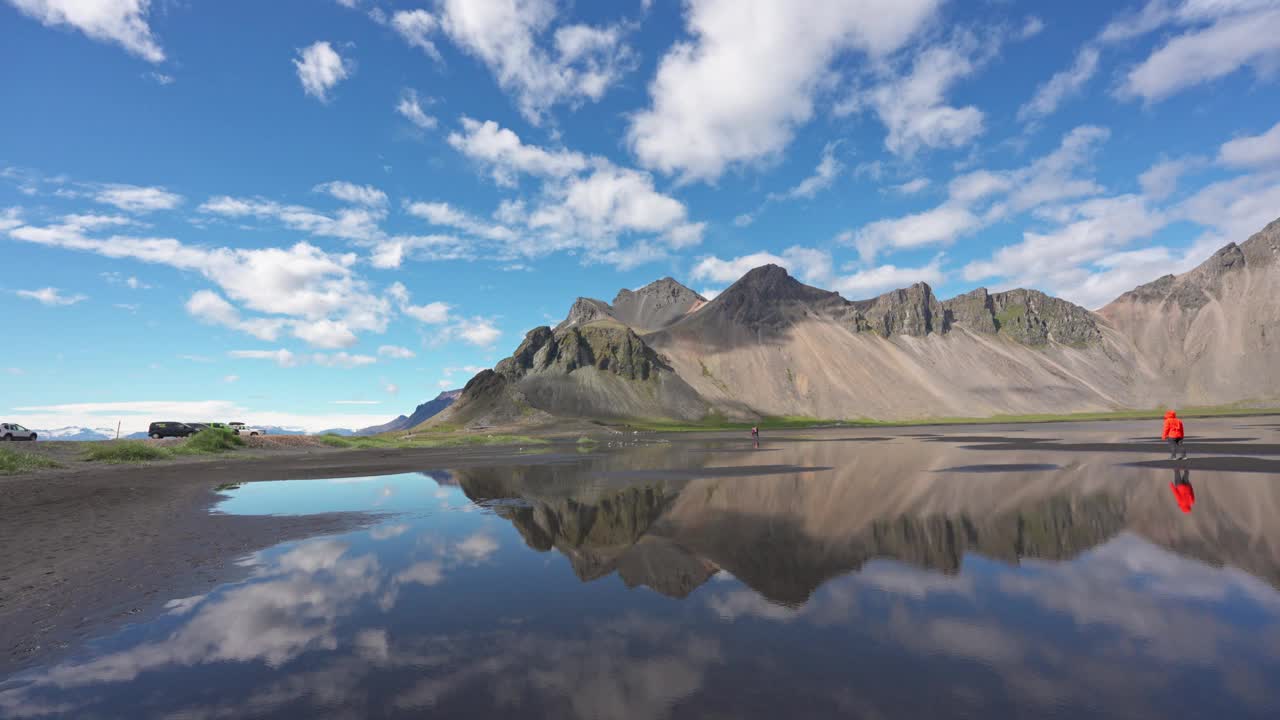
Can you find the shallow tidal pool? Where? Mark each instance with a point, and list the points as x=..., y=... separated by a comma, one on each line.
x=842, y=574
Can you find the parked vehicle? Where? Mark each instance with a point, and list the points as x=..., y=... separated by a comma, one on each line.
x=199, y=426
x=14, y=431
x=240, y=428
x=159, y=430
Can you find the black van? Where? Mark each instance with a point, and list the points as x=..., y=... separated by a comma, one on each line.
x=170, y=429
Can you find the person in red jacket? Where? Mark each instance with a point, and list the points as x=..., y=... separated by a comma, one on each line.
x=1173, y=434
x=1183, y=493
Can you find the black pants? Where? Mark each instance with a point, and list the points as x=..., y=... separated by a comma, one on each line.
x=1175, y=445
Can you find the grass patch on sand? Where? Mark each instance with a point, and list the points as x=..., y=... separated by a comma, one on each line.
x=127, y=451
x=428, y=441
x=1156, y=414
x=205, y=442
x=12, y=461
x=719, y=422
x=212, y=440
x=716, y=422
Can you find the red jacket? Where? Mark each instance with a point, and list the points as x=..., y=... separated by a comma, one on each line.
x=1184, y=494
x=1172, y=426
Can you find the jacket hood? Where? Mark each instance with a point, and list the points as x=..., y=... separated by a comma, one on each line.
x=1170, y=414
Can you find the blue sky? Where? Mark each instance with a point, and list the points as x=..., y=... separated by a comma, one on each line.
x=320, y=213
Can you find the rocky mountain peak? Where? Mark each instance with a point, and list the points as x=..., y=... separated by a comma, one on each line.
x=910, y=311
x=665, y=289
x=1192, y=290
x=585, y=310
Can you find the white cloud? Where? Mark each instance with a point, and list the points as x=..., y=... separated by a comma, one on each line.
x=736, y=92
x=415, y=26
x=1061, y=86
x=1052, y=178
x=283, y=358
x=872, y=281
x=477, y=331
x=1031, y=28
x=444, y=214
x=391, y=388
x=940, y=226
x=1233, y=209
x=209, y=307
x=1201, y=55
x=132, y=198
x=302, y=282
x=11, y=218
x=585, y=203
x=608, y=202
x=123, y=22
x=366, y=195
x=342, y=360
x=50, y=296
x=115, y=278
x=161, y=78
x=390, y=253
x=436, y=313
x=912, y=187
x=1252, y=151
x=913, y=106
x=1161, y=179
x=1058, y=261
x=230, y=379
x=320, y=68
x=395, y=352
x=502, y=150
x=808, y=264
x=503, y=34
x=410, y=108
x=350, y=223
x=829, y=167
x=324, y=333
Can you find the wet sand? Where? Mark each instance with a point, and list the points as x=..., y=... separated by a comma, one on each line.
x=86, y=549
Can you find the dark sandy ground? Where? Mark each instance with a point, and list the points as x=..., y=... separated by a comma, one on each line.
x=87, y=548
x=90, y=547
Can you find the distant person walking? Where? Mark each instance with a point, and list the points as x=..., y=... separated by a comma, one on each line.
x=1182, y=490
x=1173, y=434
x=755, y=435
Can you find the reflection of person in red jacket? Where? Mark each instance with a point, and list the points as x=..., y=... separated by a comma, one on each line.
x=1182, y=490
x=1173, y=434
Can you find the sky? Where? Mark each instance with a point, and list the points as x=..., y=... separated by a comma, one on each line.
x=320, y=213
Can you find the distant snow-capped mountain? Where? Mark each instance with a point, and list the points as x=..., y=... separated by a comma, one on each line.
x=75, y=432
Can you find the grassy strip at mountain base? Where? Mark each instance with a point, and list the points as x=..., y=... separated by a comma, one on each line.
x=800, y=422
x=1154, y=414
x=205, y=442
x=431, y=441
x=12, y=462
x=719, y=422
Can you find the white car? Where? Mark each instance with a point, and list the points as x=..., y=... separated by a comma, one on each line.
x=240, y=428
x=14, y=431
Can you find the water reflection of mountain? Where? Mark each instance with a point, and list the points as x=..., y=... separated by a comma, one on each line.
x=785, y=535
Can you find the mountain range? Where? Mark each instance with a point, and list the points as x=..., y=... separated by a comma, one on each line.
x=420, y=414
x=771, y=346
